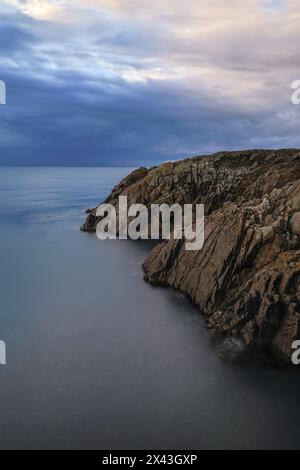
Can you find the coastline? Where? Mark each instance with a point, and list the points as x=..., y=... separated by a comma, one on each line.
x=245, y=281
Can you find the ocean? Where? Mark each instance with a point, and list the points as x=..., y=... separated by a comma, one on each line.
x=99, y=359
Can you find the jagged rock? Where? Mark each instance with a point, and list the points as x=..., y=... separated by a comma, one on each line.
x=246, y=279
x=295, y=224
x=90, y=223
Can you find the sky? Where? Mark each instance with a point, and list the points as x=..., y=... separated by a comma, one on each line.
x=136, y=82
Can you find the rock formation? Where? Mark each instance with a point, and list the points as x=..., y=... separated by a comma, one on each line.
x=246, y=279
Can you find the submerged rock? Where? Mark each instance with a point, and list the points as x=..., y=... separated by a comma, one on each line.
x=246, y=279
x=233, y=350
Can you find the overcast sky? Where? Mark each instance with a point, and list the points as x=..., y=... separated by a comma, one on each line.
x=136, y=82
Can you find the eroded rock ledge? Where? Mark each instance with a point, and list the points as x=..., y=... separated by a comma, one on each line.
x=246, y=279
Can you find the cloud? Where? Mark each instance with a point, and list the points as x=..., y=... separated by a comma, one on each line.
x=39, y=9
x=111, y=81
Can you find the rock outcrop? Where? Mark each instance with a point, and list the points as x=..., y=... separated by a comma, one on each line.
x=246, y=279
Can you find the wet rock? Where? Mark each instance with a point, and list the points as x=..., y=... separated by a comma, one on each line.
x=233, y=350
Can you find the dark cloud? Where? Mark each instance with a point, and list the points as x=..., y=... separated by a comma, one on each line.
x=90, y=96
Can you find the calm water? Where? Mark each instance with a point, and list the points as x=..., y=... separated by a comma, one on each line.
x=99, y=359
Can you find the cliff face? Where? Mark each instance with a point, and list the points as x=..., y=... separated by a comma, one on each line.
x=246, y=279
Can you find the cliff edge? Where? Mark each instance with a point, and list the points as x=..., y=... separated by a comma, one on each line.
x=246, y=279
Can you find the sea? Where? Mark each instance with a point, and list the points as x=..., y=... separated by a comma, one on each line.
x=96, y=358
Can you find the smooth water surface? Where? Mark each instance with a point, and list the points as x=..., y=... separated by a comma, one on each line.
x=97, y=358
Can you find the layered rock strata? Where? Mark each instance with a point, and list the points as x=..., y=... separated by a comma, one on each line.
x=246, y=279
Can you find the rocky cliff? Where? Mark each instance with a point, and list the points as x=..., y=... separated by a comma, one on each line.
x=246, y=279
